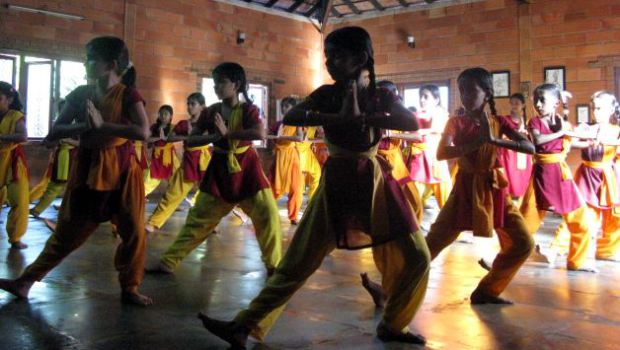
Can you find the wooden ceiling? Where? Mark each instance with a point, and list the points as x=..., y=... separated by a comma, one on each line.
x=317, y=9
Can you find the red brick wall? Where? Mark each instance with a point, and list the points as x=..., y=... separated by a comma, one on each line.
x=174, y=43
x=582, y=35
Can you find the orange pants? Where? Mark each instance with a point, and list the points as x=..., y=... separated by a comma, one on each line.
x=606, y=246
x=72, y=233
x=577, y=222
x=516, y=245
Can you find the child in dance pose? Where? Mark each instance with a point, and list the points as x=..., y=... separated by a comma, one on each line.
x=479, y=200
x=358, y=204
x=164, y=160
x=552, y=186
x=430, y=174
x=189, y=174
x=597, y=177
x=13, y=168
x=107, y=183
x=234, y=175
x=518, y=166
x=55, y=179
x=286, y=176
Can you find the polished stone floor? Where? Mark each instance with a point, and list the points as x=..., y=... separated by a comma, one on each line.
x=77, y=306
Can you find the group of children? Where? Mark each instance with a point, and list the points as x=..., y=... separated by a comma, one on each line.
x=367, y=194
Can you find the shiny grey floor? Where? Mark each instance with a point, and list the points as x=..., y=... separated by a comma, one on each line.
x=77, y=306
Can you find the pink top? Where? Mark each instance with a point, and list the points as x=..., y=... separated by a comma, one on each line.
x=552, y=191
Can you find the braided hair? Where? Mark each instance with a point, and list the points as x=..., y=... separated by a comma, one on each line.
x=356, y=40
x=235, y=73
x=110, y=49
x=484, y=80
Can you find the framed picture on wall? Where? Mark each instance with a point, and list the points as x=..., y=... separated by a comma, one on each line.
x=556, y=75
x=583, y=113
x=501, y=83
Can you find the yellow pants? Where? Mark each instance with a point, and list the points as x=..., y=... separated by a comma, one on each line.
x=17, y=196
x=176, y=191
x=577, y=222
x=37, y=191
x=311, y=179
x=208, y=211
x=404, y=264
x=606, y=246
x=150, y=184
x=53, y=190
x=516, y=244
x=440, y=190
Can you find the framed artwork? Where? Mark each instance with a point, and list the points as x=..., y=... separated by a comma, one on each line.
x=556, y=75
x=583, y=113
x=501, y=84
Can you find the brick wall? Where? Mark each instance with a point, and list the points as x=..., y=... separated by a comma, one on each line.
x=174, y=43
x=582, y=35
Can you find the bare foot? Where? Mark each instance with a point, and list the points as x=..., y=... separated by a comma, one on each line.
x=538, y=256
x=50, y=224
x=18, y=288
x=374, y=289
x=135, y=298
x=294, y=222
x=386, y=335
x=234, y=334
x=589, y=269
x=159, y=268
x=19, y=245
x=241, y=215
x=149, y=228
x=484, y=264
x=479, y=298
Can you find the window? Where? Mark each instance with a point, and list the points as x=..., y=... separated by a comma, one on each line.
x=44, y=81
x=258, y=93
x=411, y=94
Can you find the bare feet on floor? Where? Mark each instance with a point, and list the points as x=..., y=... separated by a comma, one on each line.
x=479, y=298
x=539, y=256
x=18, y=288
x=232, y=333
x=132, y=296
x=19, y=245
x=386, y=335
x=589, y=269
x=374, y=289
x=485, y=264
x=159, y=268
x=149, y=228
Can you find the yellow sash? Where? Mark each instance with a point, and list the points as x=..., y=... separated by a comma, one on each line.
x=7, y=127
x=165, y=153
x=417, y=148
x=609, y=187
x=63, y=161
x=484, y=173
x=553, y=158
x=379, y=222
x=205, y=156
x=235, y=124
